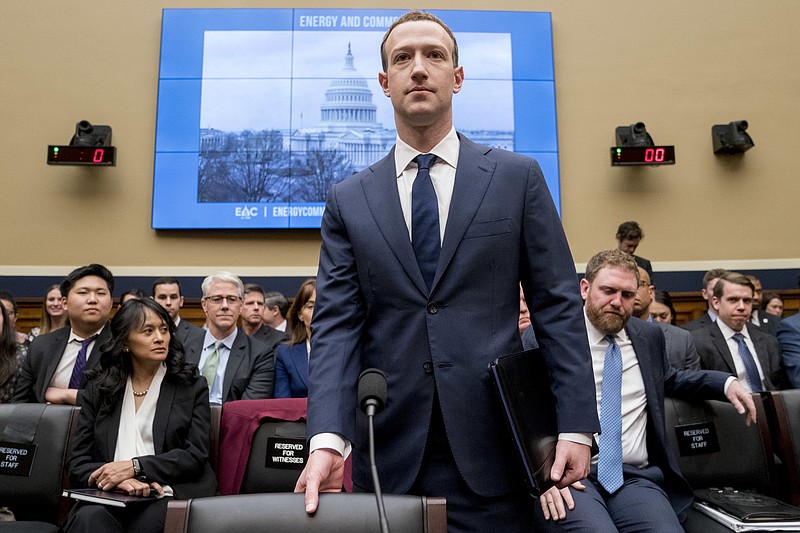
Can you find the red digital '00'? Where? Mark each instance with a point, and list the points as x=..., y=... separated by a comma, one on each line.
x=99, y=152
x=654, y=155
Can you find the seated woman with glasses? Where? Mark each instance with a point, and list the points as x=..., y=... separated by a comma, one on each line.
x=291, y=359
x=143, y=426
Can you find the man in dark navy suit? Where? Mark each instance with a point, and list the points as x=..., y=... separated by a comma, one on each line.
x=167, y=292
x=432, y=307
x=635, y=483
x=54, y=369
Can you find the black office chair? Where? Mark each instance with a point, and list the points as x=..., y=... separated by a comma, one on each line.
x=35, y=497
x=783, y=412
x=262, y=473
x=743, y=460
x=285, y=513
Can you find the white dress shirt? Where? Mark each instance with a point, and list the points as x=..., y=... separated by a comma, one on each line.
x=63, y=371
x=634, y=398
x=733, y=348
x=215, y=392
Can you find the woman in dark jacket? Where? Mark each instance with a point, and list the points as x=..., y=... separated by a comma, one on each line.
x=143, y=426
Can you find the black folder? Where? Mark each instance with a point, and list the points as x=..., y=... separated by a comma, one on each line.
x=529, y=408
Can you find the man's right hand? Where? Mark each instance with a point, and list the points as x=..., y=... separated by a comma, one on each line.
x=323, y=473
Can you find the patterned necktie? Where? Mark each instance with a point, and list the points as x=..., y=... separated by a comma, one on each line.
x=80, y=364
x=749, y=363
x=425, y=219
x=609, y=462
x=211, y=364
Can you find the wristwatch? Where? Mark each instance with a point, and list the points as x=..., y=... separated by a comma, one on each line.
x=138, y=472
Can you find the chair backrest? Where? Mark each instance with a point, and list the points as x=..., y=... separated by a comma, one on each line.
x=285, y=513
x=783, y=411
x=250, y=432
x=278, y=453
x=716, y=449
x=40, y=434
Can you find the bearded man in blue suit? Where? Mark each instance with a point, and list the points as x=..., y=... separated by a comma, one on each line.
x=433, y=317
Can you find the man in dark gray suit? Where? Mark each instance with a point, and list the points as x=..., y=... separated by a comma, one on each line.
x=710, y=279
x=732, y=344
x=252, y=318
x=236, y=366
x=767, y=322
x=167, y=292
x=54, y=369
x=681, y=352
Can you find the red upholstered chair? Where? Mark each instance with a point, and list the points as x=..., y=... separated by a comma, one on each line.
x=250, y=432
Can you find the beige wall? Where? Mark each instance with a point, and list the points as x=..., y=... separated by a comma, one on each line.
x=678, y=66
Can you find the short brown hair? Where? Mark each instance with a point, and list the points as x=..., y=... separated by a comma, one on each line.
x=629, y=230
x=610, y=258
x=414, y=16
x=736, y=279
x=714, y=273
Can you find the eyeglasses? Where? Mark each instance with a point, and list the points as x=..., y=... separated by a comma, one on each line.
x=217, y=300
x=643, y=284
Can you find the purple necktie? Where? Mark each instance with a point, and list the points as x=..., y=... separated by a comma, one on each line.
x=80, y=364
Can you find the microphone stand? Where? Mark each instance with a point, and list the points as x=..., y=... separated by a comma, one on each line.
x=371, y=406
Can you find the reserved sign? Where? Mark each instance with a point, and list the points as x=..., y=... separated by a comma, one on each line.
x=16, y=459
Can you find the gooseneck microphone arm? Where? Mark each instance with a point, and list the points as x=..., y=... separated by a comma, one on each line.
x=372, y=397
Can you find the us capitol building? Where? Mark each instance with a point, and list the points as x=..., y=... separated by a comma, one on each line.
x=349, y=125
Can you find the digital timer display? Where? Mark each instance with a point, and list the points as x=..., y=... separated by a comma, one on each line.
x=642, y=155
x=82, y=155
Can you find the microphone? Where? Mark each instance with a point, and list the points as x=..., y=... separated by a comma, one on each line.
x=372, y=398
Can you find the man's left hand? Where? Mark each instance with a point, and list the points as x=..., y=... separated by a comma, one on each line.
x=571, y=463
x=742, y=401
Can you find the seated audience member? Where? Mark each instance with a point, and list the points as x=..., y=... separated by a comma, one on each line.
x=276, y=306
x=10, y=303
x=131, y=294
x=635, y=484
x=681, y=352
x=661, y=308
x=526, y=332
x=710, y=280
x=291, y=359
x=11, y=357
x=252, y=316
x=772, y=303
x=629, y=235
x=789, y=339
x=54, y=316
x=143, y=426
x=733, y=344
x=54, y=369
x=237, y=367
x=167, y=292
x=767, y=322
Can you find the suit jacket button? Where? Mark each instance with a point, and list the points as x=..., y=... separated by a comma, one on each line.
x=433, y=308
x=428, y=367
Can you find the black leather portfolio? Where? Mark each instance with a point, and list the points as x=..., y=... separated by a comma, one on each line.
x=529, y=408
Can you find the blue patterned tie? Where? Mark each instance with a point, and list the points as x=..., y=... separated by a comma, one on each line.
x=749, y=363
x=609, y=462
x=80, y=364
x=425, y=219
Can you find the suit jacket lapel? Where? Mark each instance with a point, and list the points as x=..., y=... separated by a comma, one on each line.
x=300, y=360
x=644, y=354
x=473, y=175
x=166, y=398
x=722, y=347
x=383, y=200
x=112, y=430
x=54, y=353
x=234, y=360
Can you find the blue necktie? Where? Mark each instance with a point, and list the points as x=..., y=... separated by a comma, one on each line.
x=425, y=219
x=80, y=364
x=609, y=462
x=749, y=363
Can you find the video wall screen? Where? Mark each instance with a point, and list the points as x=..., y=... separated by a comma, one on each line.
x=260, y=111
